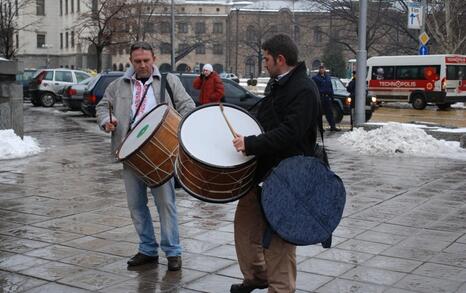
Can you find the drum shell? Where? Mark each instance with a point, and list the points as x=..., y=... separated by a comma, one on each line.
x=154, y=160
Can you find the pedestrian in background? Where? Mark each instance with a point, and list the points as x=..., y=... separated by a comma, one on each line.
x=137, y=93
x=324, y=83
x=351, y=88
x=210, y=84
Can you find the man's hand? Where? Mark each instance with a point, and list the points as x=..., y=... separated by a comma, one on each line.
x=238, y=142
x=111, y=126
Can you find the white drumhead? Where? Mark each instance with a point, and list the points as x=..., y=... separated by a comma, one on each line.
x=142, y=131
x=206, y=137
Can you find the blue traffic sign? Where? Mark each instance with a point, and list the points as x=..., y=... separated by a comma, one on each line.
x=423, y=50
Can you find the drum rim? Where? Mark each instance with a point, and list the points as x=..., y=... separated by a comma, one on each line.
x=149, y=137
x=181, y=144
x=203, y=198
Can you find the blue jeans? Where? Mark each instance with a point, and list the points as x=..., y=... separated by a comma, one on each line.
x=164, y=198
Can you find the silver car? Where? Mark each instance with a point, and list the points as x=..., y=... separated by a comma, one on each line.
x=47, y=85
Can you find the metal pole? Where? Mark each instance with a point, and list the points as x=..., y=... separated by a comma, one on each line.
x=360, y=115
x=172, y=35
x=423, y=20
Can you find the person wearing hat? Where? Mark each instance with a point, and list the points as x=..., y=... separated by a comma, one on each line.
x=324, y=83
x=210, y=84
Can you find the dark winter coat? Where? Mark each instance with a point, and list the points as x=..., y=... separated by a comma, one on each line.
x=211, y=87
x=324, y=84
x=288, y=115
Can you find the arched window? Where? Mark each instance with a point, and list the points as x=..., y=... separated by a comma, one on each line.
x=250, y=34
x=182, y=67
x=120, y=67
x=114, y=67
x=250, y=66
x=316, y=63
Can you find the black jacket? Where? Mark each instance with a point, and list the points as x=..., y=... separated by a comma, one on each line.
x=289, y=117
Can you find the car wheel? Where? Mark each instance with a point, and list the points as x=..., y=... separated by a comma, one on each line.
x=419, y=102
x=47, y=99
x=337, y=113
x=444, y=106
x=368, y=115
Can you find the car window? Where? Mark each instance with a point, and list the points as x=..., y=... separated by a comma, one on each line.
x=233, y=92
x=338, y=85
x=64, y=76
x=87, y=80
x=80, y=76
x=49, y=75
x=103, y=83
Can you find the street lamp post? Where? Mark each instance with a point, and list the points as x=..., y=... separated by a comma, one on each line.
x=361, y=66
x=236, y=42
x=172, y=35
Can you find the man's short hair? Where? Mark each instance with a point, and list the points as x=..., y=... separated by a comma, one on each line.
x=141, y=45
x=282, y=44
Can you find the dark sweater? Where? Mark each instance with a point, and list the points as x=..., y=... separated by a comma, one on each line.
x=288, y=115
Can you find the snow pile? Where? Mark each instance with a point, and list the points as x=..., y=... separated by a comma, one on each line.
x=401, y=139
x=12, y=146
x=458, y=106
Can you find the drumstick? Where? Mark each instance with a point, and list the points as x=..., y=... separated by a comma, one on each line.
x=110, y=111
x=228, y=122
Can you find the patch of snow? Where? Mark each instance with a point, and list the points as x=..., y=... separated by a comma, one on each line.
x=13, y=147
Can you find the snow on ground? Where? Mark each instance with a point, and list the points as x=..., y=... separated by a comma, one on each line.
x=12, y=146
x=397, y=139
x=458, y=106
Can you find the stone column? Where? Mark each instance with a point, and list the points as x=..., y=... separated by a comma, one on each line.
x=11, y=98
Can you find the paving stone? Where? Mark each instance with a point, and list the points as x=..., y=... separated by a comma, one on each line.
x=427, y=284
x=393, y=263
x=440, y=271
x=347, y=256
x=324, y=267
x=53, y=271
x=348, y=286
x=93, y=280
x=12, y=282
x=373, y=275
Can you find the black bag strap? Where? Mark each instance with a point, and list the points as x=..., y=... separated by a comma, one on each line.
x=165, y=85
x=139, y=106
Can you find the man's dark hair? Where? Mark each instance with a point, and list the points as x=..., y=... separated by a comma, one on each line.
x=282, y=44
x=141, y=45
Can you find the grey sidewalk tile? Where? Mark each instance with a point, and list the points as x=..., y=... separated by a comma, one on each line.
x=310, y=250
x=348, y=256
x=232, y=271
x=203, y=263
x=393, y=263
x=91, y=259
x=324, y=267
x=56, y=288
x=197, y=246
x=348, y=286
x=412, y=253
x=427, y=284
x=397, y=290
x=440, y=271
x=380, y=237
x=53, y=271
x=68, y=225
x=19, y=262
x=462, y=289
x=93, y=280
x=124, y=249
x=212, y=283
x=12, y=282
x=348, y=232
x=19, y=245
x=396, y=229
x=41, y=234
x=88, y=243
x=223, y=251
x=308, y=282
x=449, y=258
x=456, y=248
x=462, y=239
x=422, y=243
x=351, y=222
x=373, y=275
x=215, y=237
x=363, y=246
x=137, y=286
x=54, y=252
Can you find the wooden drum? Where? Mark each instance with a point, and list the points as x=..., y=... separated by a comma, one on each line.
x=208, y=166
x=151, y=146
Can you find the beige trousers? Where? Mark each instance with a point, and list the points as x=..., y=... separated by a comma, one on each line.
x=275, y=265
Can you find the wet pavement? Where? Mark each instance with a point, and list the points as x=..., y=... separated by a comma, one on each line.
x=66, y=228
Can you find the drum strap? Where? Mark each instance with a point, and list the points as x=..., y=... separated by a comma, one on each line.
x=139, y=106
x=166, y=85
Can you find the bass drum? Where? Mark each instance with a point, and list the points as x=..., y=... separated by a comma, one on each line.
x=208, y=166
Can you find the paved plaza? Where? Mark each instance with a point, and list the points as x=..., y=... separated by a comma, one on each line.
x=66, y=227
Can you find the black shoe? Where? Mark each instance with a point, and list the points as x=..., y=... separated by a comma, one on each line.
x=174, y=263
x=335, y=129
x=141, y=259
x=245, y=288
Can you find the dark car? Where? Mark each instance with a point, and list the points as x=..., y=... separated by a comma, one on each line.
x=73, y=95
x=234, y=93
x=342, y=101
x=25, y=78
x=95, y=90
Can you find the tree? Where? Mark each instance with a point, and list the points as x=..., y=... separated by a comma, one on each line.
x=101, y=25
x=10, y=14
x=333, y=59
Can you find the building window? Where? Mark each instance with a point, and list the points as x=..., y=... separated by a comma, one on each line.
x=218, y=28
x=200, y=28
x=218, y=9
x=94, y=6
x=78, y=5
x=149, y=27
x=182, y=47
x=200, y=9
x=40, y=40
x=40, y=7
x=66, y=39
x=250, y=66
x=317, y=34
x=251, y=34
x=200, y=50
x=72, y=6
x=61, y=7
x=66, y=6
x=61, y=40
x=165, y=27
x=165, y=48
x=297, y=34
x=17, y=41
x=182, y=27
x=72, y=39
x=218, y=49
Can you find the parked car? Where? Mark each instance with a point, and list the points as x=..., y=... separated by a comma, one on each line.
x=73, y=95
x=342, y=101
x=95, y=90
x=229, y=75
x=25, y=78
x=234, y=93
x=47, y=85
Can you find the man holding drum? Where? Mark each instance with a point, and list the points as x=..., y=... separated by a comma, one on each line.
x=288, y=115
x=125, y=102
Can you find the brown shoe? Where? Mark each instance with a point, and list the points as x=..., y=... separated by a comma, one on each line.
x=246, y=288
x=141, y=259
x=174, y=263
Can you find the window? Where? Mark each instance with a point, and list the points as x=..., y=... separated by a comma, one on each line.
x=250, y=34
x=200, y=28
x=218, y=49
x=16, y=8
x=17, y=41
x=317, y=34
x=61, y=7
x=182, y=47
x=416, y=72
x=383, y=72
x=218, y=9
x=165, y=27
x=49, y=75
x=456, y=72
x=72, y=39
x=72, y=6
x=40, y=7
x=182, y=27
x=65, y=76
x=200, y=9
x=66, y=6
x=149, y=27
x=40, y=40
x=297, y=34
x=165, y=48
x=233, y=92
x=66, y=39
x=61, y=40
x=218, y=28
x=81, y=76
x=78, y=5
x=94, y=6
x=200, y=50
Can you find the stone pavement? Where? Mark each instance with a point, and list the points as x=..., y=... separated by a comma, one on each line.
x=65, y=226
